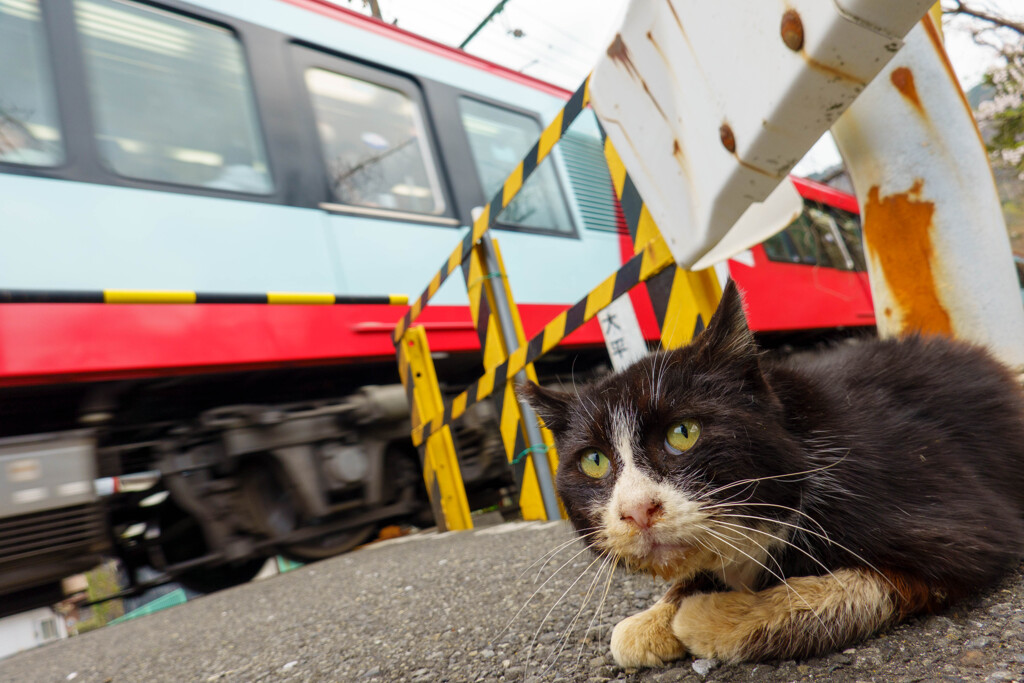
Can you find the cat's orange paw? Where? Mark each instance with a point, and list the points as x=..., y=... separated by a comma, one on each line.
x=646, y=639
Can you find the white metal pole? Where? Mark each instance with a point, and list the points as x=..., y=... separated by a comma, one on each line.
x=939, y=257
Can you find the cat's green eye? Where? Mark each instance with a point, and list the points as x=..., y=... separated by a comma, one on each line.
x=682, y=435
x=595, y=464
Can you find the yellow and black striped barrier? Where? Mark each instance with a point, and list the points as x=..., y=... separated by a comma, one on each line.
x=654, y=259
x=682, y=302
x=166, y=296
x=540, y=150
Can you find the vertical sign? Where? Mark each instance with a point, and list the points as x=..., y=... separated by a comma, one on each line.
x=622, y=336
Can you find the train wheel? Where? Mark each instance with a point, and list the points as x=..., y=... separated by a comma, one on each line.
x=184, y=541
x=329, y=545
x=274, y=512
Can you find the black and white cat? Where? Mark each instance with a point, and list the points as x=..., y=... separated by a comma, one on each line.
x=796, y=506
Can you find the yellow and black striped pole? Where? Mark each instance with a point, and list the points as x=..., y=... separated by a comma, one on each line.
x=683, y=300
x=167, y=296
x=540, y=150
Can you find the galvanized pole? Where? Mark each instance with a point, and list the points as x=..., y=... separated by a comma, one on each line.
x=534, y=439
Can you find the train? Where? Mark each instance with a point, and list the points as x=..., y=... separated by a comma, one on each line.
x=282, y=146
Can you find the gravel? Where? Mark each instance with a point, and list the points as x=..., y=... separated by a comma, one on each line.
x=433, y=608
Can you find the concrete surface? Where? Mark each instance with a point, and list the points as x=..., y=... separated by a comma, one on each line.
x=433, y=608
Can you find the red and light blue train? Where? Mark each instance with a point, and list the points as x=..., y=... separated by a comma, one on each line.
x=280, y=146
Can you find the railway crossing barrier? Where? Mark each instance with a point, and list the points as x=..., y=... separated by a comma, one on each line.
x=682, y=301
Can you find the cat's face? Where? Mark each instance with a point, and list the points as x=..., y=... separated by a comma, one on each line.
x=651, y=458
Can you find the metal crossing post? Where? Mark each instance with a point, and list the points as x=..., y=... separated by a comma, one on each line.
x=939, y=258
x=513, y=338
x=441, y=471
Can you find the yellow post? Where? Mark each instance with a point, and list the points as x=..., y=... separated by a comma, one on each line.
x=440, y=465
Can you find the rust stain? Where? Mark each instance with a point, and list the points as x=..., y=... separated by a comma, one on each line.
x=677, y=151
x=618, y=52
x=728, y=139
x=933, y=35
x=897, y=229
x=830, y=70
x=792, y=30
x=679, y=23
x=903, y=79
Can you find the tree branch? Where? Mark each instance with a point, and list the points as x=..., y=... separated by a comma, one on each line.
x=1002, y=22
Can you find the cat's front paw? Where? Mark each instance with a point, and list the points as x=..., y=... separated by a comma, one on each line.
x=646, y=639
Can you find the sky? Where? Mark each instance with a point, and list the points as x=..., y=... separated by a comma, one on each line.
x=560, y=40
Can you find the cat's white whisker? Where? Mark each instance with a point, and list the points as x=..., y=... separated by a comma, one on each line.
x=783, y=476
x=539, y=589
x=781, y=580
x=550, y=555
x=599, y=609
x=529, y=650
x=741, y=528
x=823, y=537
x=567, y=632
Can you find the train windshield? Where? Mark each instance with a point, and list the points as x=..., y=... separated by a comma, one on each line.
x=29, y=128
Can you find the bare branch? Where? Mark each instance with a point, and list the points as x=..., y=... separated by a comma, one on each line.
x=959, y=8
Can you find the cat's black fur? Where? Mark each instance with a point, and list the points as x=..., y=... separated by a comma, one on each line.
x=900, y=458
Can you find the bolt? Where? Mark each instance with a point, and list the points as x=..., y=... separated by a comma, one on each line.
x=727, y=138
x=792, y=30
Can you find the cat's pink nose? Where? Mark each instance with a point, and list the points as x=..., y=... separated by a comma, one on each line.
x=642, y=515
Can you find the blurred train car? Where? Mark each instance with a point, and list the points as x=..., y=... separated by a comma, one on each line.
x=279, y=146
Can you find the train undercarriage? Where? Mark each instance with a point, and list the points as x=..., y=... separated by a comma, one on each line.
x=204, y=477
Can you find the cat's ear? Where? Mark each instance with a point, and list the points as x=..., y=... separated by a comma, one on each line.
x=727, y=335
x=550, y=405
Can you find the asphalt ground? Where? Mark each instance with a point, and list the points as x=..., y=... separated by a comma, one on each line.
x=438, y=607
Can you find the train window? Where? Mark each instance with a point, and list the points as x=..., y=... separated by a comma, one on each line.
x=779, y=247
x=849, y=228
x=498, y=139
x=805, y=240
x=29, y=128
x=375, y=144
x=171, y=98
x=829, y=239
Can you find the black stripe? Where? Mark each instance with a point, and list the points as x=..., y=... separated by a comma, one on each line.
x=483, y=316
x=628, y=276
x=467, y=246
x=446, y=415
x=698, y=327
x=32, y=296
x=632, y=205
x=471, y=393
x=574, y=316
x=227, y=298
x=530, y=161
x=573, y=107
x=535, y=348
x=659, y=288
x=519, y=469
x=500, y=375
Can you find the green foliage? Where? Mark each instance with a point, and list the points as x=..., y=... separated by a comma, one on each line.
x=102, y=582
x=1005, y=113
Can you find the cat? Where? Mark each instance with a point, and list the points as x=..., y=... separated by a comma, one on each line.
x=798, y=505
